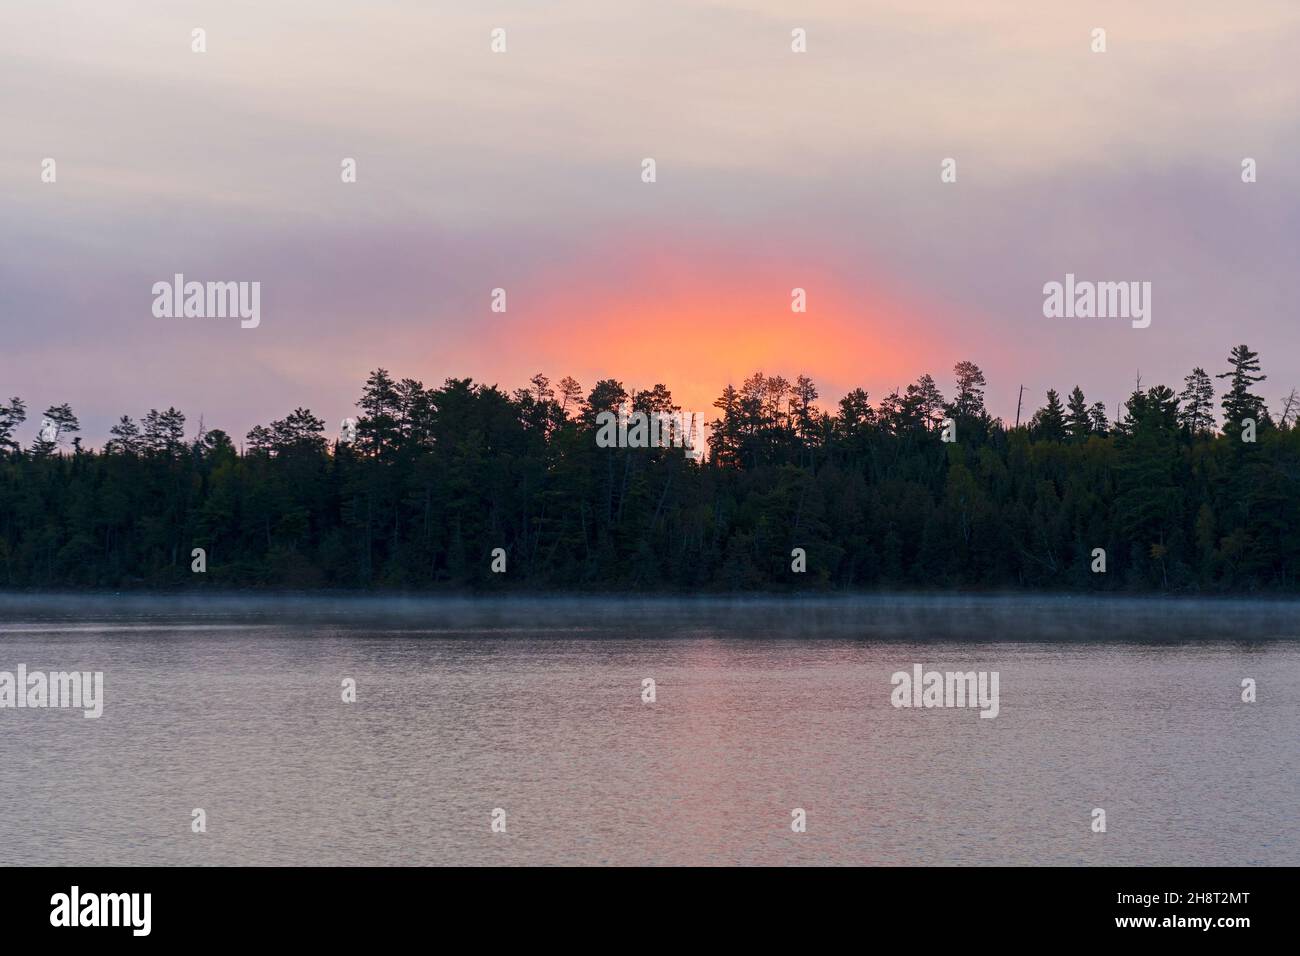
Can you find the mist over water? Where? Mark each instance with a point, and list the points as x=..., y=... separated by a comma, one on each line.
x=233, y=704
x=966, y=617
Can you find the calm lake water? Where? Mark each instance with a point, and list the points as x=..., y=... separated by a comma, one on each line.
x=536, y=707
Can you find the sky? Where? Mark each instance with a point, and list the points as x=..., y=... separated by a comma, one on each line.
x=522, y=170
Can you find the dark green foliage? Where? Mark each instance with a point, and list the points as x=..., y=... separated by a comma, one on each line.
x=1048, y=423
x=437, y=478
x=1078, y=419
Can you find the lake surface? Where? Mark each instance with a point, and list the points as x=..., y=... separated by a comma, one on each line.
x=535, y=707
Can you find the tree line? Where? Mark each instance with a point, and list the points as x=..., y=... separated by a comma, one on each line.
x=1179, y=497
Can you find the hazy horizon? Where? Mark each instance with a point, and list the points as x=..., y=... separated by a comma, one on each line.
x=522, y=170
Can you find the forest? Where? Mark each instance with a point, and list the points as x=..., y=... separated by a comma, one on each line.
x=1186, y=491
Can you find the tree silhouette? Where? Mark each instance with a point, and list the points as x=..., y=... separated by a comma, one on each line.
x=1197, y=400
x=1048, y=423
x=440, y=476
x=1240, y=402
x=1078, y=420
x=11, y=416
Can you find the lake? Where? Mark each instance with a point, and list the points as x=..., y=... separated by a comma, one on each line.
x=761, y=708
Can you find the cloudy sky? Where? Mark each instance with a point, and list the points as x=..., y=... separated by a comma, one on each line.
x=522, y=170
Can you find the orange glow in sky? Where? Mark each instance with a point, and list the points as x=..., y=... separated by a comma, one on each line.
x=696, y=321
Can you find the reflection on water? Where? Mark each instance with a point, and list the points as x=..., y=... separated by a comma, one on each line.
x=762, y=707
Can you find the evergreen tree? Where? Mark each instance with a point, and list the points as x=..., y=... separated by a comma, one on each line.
x=259, y=440
x=1240, y=402
x=969, y=400
x=164, y=432
x=724, y=433
x=802, y=408
x=607, y=395
x=1197, y=400
x=126, y=437
x=570, y=396
x=378, y=425
x=1048, y=423
x=11, y=416
x=451, y=473
x=893, y=415
x=923, y=405
x=57, y=422
x=300, y=431
x=1097, y=417
x=1078, y=423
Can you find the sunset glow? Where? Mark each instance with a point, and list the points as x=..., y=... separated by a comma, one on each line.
x=521, y=171
x=697, y=322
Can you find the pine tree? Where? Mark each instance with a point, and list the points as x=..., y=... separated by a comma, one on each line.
x=969, y=401
x=923, y=403
x=259, y=440
x=298, y=432
x=571, y=395
x=126, y=437
x=164, y=432
x=892, y=413
x=724, y=434
x=1097, y=416
x=805, y=393
x=607, y=395
x=1078, y=423
x=1240, y=403
x=11, y=416
x=1197, y=400
x=381, y=413
x=57, y=422
x=1049, y=421
x=875, y=507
